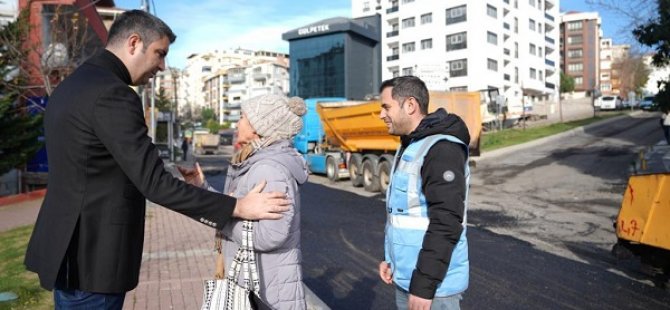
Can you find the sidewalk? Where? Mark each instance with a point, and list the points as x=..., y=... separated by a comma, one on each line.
x=178, y=256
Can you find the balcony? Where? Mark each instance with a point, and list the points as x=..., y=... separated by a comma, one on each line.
x=550, y=63
x=392, y=9
x=550, y=40
x=392, y=33
x=259, y=76
x=549, y=85
x=393, y=57
x=236, y=78
x=548, y=16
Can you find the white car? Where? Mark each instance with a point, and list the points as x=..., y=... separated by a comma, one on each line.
x=610, y=102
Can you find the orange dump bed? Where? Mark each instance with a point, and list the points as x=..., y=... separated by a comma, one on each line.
x=356, y=126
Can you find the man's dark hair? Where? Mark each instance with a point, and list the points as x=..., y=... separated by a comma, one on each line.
x=408, y=86
x=150, y=28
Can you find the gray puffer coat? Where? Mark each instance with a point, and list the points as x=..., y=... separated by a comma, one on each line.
x=277, y=243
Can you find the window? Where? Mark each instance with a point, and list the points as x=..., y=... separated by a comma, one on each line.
x=532, y=49
x=458, y=68
x=457, y=41
x=576, y=25
x=539, y=51
x=492, y=38
x=575, y=67
x=580, y=80
x=407, y=71
x=575, y=39
x=492, y=64
x=395, y=73
x=427, y=18
x=516, y=75
x=533, y=73
x=491, y=11
x=516, y=50
x=531, y=24
x=532, y=3
x=539, y=75
x=408, y=47
x=456, y=15
x=206, y=69
x=407, y=1
x=539, y=27
x=604, y=76
x=426, y=44
x=458, y=88
x=577, y=53
x=366, y=6
x=408, y=22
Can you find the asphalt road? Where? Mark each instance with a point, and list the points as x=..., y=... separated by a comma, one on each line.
x=540, y=229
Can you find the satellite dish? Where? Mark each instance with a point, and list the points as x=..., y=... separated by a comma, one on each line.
x=55, y=56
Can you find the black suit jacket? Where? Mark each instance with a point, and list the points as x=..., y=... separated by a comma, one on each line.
x=102, y=165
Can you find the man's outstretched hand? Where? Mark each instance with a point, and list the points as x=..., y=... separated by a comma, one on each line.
x=261, y=206
x=192, y=176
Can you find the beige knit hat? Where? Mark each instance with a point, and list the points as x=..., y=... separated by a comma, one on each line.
x=275, y=115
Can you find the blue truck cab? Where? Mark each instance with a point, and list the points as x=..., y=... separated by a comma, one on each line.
x=308, y=142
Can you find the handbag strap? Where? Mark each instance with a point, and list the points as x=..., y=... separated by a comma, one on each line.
x=245, y=261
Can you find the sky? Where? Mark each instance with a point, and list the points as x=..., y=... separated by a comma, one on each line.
x=204, y=25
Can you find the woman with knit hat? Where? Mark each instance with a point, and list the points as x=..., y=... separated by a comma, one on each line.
x=265, y=133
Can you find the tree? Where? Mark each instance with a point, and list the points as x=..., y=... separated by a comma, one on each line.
x=18, y=129
x=654, y=33
x=65, y=43
x=207, y=114
x=567, y=83
x=632, y=73
x=162, y=102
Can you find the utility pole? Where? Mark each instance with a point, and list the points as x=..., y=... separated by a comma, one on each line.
x=152, y=130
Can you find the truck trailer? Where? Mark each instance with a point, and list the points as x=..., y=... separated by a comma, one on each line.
x=347, y=139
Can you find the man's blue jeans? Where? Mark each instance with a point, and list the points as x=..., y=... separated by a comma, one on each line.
x=452, y=302
x=81, y=300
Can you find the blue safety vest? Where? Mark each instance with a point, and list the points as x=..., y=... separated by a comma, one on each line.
x=407, y=220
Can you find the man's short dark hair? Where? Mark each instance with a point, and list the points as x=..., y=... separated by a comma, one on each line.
x=149, y=27
x=408, y=86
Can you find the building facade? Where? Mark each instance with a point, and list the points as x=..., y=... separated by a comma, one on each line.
x=219, y=80
x=580, y=49
x=507, y=46
x=336, y=57
x=611, y=56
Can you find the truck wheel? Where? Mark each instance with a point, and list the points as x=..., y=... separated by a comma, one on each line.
x=356, y=170
x=332, y=170
x=370, y=180
x=384, y=175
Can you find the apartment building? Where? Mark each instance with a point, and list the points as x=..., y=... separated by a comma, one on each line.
x=580, y=49
x=611, y=56
x=506, y=46
x=218, y=80
x=229, y=86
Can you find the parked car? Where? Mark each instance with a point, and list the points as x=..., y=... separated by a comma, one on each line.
x=647, y=103
x=610, y=102
x=628, y=103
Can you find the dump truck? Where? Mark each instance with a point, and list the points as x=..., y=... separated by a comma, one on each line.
x=347, y=139
x=205, y=142
x=641, y=226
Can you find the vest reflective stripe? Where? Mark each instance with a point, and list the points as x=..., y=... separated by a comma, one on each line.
x=407, y=220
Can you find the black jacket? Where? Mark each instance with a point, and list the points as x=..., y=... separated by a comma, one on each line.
x=444, y=198
x=102, y=165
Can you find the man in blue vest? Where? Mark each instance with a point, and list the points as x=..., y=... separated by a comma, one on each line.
x=425, y=244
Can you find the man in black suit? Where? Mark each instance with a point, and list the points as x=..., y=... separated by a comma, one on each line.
x=88, y=238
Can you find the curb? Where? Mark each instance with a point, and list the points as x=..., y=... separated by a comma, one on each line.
x=572, y=132
x=9, y=200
